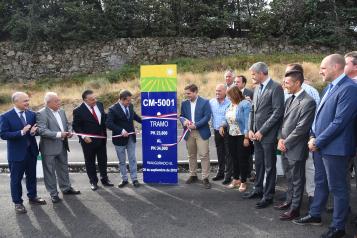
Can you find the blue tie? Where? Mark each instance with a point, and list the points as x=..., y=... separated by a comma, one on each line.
x=127, y=112
x=261, y=89
x=329, y=87
x=22, y=118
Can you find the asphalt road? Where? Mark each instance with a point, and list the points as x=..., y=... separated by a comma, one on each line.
x=76, y=154
x=151, y=211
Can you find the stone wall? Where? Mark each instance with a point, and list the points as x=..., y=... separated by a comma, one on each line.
x=18, y=64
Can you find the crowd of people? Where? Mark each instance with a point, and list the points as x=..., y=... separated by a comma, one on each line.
x=315, y=135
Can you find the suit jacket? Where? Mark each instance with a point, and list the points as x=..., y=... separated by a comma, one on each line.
x=202, y=116
x=10, y=130
x=48, y=128
x=117, y=121
x=295, y=130
x=267, y=111
x=335, y=120
x=248, y=93
x=84, y=122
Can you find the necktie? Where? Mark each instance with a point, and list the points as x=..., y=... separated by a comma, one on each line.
x=292, y=99
x=22, y=118
x=127, y=112
x=94, y=114
x=261, y=89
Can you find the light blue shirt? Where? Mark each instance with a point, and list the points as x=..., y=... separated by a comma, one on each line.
x=218, y=111
x=123, y=107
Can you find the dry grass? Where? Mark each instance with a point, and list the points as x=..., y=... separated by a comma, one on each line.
x=71, y=94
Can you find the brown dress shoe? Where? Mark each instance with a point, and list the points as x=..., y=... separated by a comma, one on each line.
x=289, y=215
x=37, y=201
x=192, y=179
x=282, y=206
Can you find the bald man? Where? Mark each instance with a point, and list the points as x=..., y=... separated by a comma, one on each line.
x=333, y=143
x=219, y=105
x=18, y=127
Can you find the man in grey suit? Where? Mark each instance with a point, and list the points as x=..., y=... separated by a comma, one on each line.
x=293, y=138
x=54, y=130
x=264, y=122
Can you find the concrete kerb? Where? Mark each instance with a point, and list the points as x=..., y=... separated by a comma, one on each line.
x=113, y=166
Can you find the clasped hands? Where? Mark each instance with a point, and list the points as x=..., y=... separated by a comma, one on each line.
x=28, y=128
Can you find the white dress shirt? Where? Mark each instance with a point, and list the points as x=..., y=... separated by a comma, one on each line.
x=96, y=109
x=18, y=112
x=59, y=122
x=193, y=108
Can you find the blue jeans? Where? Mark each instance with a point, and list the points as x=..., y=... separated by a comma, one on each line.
x=330, y=177
x=130, y=149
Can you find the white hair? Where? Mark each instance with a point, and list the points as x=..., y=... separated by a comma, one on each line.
x=49, y=96
x=229, y=72
x=15, y=96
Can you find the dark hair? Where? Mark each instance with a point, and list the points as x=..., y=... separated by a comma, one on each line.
x=297, y=67
x=296, y=75
x=192, y=87
x=124, y=94
x=244, y=79
x=86, y=93
x=235, y=94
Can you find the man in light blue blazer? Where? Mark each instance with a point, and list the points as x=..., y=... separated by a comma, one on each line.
x=197, y=113
x=333, y=143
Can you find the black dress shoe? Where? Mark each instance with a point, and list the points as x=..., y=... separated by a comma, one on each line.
x=20, y=209
x=252, y=195
x=55, y=199
x=136, y=183
x=107, y=183
x=218, y=177
x=308, y=220
x=93, y=186
x=333, y=233
x=71, y=191
x=226, y=181
x=123, y=184
x=282, y=206
x=263, y=203
x=289, y=215
x=37, y=201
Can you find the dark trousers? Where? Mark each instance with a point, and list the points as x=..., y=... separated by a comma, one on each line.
x=91, y=152
x=240, y=157
x=265, y=163
x=295, y=175
x=330, y=177
x=221, y=152
x=229, y=161
x=17, y=171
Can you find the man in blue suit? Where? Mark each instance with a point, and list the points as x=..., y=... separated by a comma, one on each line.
x=333, y=143
x=197, y=112
x=18, y=127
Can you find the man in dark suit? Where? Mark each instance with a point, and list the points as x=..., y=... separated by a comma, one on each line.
x=334, y=144
x=90, y=118
x=293, y=137
x=265, y=120
x=197, y=112
x=241, y=82
x=18, y=127
x=120, y=120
